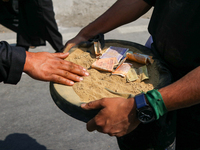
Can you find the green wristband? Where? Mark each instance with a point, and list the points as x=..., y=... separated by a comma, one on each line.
x=156, y=101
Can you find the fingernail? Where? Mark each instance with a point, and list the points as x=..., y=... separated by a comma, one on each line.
x=81, y=79
x=86, y=73
x=82, y=105
x=71, y=83
x=84, y=69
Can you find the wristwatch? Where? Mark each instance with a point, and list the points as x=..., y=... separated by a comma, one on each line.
x=145, y=113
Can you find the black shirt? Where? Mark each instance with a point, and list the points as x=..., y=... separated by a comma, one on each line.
x=175, y=28
x=12, y=60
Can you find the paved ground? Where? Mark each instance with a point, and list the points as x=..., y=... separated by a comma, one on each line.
x=29, y=119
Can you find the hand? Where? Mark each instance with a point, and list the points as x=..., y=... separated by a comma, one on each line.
x=76, y=40
x=46, y=66
x=117, y=116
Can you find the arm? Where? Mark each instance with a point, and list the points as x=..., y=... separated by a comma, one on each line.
x=122, y=12
x=52, y=67
x=180, y=94
x=12, y=61
x=41, y=66
x=183, y=93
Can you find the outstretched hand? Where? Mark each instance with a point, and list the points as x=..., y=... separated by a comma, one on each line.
x=46, y=66
x=76, y=40
x=117, y=116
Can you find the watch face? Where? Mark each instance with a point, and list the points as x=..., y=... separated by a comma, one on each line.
x=146, y=115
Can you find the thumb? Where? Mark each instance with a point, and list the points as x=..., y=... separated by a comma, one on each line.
x=68, y=46
x=61, y=55
x=66, y=49
x=92, y=105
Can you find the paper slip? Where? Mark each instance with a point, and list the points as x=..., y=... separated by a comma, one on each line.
x=143, y=73
x=140, y=58
x=116, y=52
x=131, y=75
x=106, y=64
x=122, y=70
x=97, y=49
x=121, y=62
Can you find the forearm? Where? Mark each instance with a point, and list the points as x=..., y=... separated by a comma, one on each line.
x=183, y=93
x=122, y=12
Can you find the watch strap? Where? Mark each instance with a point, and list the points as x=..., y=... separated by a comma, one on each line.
x=140, y=101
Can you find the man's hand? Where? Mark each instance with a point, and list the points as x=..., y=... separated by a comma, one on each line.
x=125, y=12
x=76, y=40
x=117, y=116
x=46, y=66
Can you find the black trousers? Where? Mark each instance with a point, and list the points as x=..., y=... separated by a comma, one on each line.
x=157, y=135
x=34, y=23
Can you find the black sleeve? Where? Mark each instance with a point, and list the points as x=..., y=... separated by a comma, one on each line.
x=12, y=60
x=150, y=2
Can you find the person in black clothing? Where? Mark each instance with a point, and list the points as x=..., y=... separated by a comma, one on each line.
x=174, y=27
x=42, y=66
x=9, y=14
x=33, y=21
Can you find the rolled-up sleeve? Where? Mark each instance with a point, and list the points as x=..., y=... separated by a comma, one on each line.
x=12, y=60
x=150, y=2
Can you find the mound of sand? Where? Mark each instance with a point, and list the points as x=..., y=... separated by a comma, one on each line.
x=93, y=87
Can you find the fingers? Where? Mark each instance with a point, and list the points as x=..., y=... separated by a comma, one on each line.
x=61, y=55
x=98, y=124
x=91, y=125
x=68, y=46
x=62, y=80
x=73, y=68
x=113, y=118
x=93, y=105
x=105, y=127
x=69, y=66
x=67, y=73
x=53, y=67
x=67, y=78
x=76, y=40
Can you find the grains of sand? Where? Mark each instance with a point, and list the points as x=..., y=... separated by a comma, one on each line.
x=93, y=86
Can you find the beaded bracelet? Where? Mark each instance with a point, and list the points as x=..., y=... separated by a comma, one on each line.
x=156, y=101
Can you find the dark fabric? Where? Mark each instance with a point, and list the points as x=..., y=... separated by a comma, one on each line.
x=12, y=61
x=175, y=28
x=8, y=16
x=90, y=42
x=157, y=135
x=150, y=2
x=37, y=24
x=34, y=23
x=188, y=131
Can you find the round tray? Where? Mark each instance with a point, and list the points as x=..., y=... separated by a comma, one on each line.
x=69, y=102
